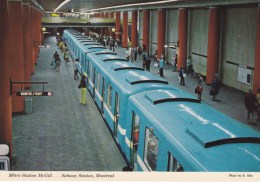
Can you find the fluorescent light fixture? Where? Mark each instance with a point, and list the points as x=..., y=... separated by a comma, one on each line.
x=131, y=5
x=61, y=4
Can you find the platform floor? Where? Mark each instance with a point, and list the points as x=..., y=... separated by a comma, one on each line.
x=61, y=134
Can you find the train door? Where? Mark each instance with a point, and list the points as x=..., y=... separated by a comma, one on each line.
x=173, y=164
x=94, y=81
x=116, y=113
x=102, y=96
x=87, y=71
x=134, y=138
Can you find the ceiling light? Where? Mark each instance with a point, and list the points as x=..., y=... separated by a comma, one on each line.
x=64, y=2
x=131, y=5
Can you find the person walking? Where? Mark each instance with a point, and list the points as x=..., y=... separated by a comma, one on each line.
x=215, y=85
x=53, y=61
x=181, y=74
x=83, y=85
x=57, y=63
x=250, y=105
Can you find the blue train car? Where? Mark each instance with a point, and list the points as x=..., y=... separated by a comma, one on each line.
x=159, y=127
x=171, y=131
x=114, y=80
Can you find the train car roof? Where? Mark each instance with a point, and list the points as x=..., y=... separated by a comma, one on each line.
x=209, y=138
x=128, y=77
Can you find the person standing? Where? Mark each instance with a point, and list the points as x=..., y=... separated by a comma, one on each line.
x=215, y=85
x=199, y=90
x=250, y=105
x=76, y=62
x=181, y=74
x=145, y=56
x=161, y=65
x=66, y=56
x=148, y=64
x=83, y=85
x=174, y=63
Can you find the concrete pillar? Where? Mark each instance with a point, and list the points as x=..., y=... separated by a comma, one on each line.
x=256, y=79
x=146, y=26
x=161, y=32
x=5, y=74
x=125, y=29
x=26, y=44
x=106, y=15
x=182, y=37
x=102, y=15
x=213, y=43
x=16, y=49
x=134, y=29
x=118, y=25
x=32, y=39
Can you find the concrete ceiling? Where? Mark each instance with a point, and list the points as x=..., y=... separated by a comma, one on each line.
x=81, y=5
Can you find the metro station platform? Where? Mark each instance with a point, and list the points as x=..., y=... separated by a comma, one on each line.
x=61, y=134
x=230, y=101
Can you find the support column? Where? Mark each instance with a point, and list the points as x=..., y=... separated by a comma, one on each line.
x=146, y=25
x=5, y=98
x=118, y=25
x=16, y=49
x=182, y=37
x=213, y=43
x=134, y=29
x=125, y=29
x=161, y=32
x=26, y=44
x=106, y=15
x=32, y=39
x=256, y=79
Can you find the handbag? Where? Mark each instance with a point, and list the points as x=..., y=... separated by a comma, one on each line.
x=79, y=86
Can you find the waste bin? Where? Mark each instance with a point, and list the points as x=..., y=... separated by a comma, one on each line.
x=28, y=105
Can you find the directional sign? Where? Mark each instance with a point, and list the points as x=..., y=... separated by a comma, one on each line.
x=34, y=93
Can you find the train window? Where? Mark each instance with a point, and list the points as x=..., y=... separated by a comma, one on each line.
x=151, y=150
x=98, y=82
x=135, y=137
x=173, y=164
x=136, y=124
x=109, y=96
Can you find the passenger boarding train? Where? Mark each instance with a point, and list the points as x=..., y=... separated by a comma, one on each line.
x=157, y=126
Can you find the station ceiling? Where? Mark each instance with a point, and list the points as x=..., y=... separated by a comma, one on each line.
x=87, y=5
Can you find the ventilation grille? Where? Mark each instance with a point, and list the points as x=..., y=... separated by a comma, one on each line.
x=128, y=68
x=117, y=59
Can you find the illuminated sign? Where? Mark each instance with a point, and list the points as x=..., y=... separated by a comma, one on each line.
x=34, y=93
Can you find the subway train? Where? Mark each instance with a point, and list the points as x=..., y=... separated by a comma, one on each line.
x=159, y=127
